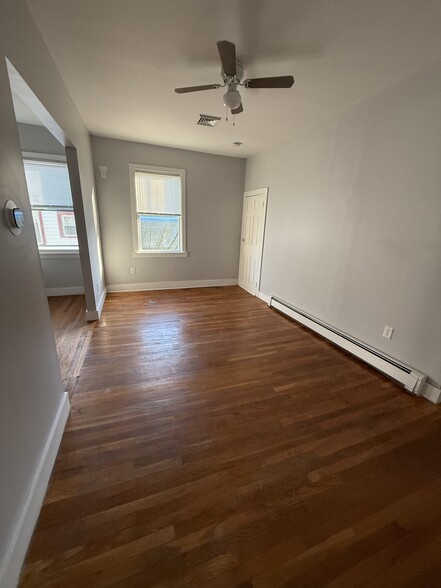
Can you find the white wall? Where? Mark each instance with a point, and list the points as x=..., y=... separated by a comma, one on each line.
x=354, y=220
x=31, y=391
x=58, y=271
x=214, y=207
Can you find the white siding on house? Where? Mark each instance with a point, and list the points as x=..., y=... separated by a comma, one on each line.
x=52, y=230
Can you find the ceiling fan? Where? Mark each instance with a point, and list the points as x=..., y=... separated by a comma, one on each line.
x=232, y=74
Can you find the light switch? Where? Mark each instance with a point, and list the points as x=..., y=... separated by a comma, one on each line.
x=388, y=332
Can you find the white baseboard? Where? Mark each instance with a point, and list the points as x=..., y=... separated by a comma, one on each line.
x=102, y=301
x=412, y=379
x=13, y=562
x=432, y=393
x=68, y=291
x=170, y=285
x=94, y=315
x=264, y=297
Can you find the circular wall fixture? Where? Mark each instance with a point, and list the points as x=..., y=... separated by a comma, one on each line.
x=14, y=217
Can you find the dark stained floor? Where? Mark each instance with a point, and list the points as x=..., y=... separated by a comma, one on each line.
x=72, y=336
x=215, y=443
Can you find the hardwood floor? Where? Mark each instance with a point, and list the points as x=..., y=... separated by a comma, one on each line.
x=72, y=335
x=215, y=443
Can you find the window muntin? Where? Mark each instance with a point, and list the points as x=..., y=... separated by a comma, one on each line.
x=51, y=203
x=158, y=208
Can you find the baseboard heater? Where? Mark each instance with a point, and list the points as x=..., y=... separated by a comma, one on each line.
x=412, y=380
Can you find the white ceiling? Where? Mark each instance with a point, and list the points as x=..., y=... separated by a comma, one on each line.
x=122, y=59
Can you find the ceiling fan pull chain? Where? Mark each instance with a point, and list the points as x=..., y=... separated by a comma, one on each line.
x=234, y=120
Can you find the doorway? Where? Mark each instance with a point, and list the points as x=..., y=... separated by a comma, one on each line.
x=252, y=237
x=47, y=163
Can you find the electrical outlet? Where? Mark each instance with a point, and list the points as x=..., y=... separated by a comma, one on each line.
x=388, y=332
x=133, y=270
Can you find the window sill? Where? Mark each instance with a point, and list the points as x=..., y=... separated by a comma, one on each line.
x=160, y=254
x=59, y=254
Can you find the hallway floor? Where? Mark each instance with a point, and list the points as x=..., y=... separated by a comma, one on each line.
x=72, y=335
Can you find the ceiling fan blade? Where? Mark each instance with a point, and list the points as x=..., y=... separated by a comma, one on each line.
x=275, y=82
x=196, y=88
x=227, y=54
x=237, y=110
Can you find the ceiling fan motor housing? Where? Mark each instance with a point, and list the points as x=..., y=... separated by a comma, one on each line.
x=234, y=77
x=233, y=80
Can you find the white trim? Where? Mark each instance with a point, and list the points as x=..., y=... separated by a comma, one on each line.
x=36, y=156
x=134, y=167
x=59, y=254
x=101, y=302
x=160, y=254
x=431, y=393
x=94, y=315
x=246, y=290
x=11, y=566
x=170, y=285
x=68, y=291
x=412, y=379
x=263, y=297
x=20, y=87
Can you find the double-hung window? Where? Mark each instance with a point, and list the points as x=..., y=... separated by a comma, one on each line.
x=158, y=209
x=52, y=207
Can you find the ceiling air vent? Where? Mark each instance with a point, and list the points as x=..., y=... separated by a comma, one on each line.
x=206, y=120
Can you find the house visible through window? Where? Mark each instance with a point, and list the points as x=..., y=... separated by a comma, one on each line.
x=51, y=203
x=158, y=208
x=68, y=224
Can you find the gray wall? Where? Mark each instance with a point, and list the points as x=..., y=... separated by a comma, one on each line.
x=214, y=193
x=30, y=383
x=58, y=271
x=36, y=139
x=62, y=275
x=354, y=220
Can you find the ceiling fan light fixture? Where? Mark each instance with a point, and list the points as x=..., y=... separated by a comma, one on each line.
x=232, y=99
x=232, y=73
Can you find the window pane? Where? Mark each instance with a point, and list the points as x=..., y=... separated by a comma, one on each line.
x=69, y=228
x=158, y=193
x=56, y=234
x=48, y=183
x=159, y=233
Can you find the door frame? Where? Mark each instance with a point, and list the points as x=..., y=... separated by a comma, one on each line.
x=247, y=194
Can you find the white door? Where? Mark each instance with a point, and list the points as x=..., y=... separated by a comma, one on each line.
x=251, y=245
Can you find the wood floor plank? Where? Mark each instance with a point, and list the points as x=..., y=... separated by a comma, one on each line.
x=213, y=442
x=72, y=336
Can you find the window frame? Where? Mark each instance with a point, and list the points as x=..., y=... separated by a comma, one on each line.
x=169, y=171
x=43, y=250
x=38, y=220
x=62, y=215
